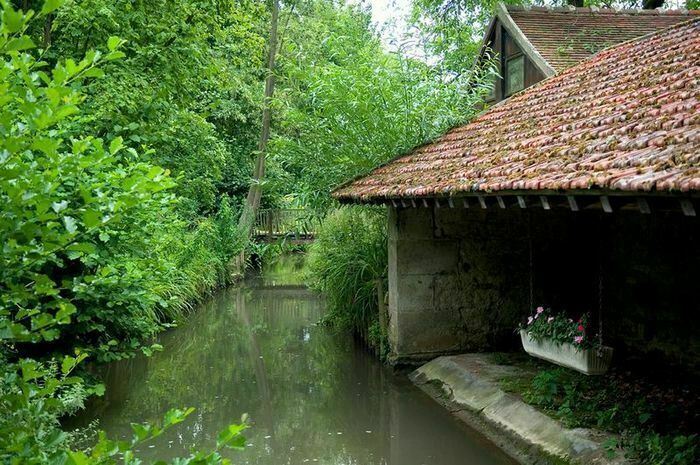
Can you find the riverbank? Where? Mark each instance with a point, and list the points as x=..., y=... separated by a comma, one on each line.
x=469, y=386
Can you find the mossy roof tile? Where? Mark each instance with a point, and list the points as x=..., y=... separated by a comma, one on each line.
x=626, y=119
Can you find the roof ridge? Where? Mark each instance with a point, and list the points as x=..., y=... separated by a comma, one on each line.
x=606, y=11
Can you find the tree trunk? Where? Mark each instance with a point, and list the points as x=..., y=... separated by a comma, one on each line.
x=245, y=222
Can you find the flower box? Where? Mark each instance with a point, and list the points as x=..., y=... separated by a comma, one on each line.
x=586, y=361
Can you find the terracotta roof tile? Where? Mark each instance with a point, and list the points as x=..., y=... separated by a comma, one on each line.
x=565, y=36
x=627, y=119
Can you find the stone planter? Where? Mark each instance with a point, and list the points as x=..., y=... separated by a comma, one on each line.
x=586, y=361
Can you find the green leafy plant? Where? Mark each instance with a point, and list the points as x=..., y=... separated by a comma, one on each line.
x=345, y=261
x=76, y=267
x=642, y=416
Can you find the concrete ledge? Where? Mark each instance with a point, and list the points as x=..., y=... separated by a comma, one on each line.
x=467, y=384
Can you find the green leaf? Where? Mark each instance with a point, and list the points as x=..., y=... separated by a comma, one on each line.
x=12, y=21
x=64, y=312
x=92, y=218
x=154, y=171
x=20, y=43
x=94, y=73
x=98, y=389
x=113, y=42
x=116, y=145
x=51, y=5
x=141, y=431
x=116, y=55
x=84, y=247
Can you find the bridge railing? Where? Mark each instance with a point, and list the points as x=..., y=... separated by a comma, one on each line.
x=286, y=222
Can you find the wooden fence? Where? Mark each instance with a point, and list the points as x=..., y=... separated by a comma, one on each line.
x=294, y=223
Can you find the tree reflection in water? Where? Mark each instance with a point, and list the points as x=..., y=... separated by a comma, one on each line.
x=312, y=395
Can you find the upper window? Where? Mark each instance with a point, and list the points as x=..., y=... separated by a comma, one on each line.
x=515, y=74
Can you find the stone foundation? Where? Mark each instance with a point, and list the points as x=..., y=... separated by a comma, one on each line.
x=459, y=279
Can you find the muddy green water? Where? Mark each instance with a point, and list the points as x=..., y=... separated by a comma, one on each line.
x=313, y=396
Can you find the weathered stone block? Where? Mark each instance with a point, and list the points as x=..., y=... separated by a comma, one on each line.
x=428, y=333
x=415, y=292
x=415, y=223
x=426, y=256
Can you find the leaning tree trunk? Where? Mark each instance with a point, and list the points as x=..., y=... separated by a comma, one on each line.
x=247, y=219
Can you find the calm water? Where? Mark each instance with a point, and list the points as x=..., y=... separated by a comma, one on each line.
x=312, y=396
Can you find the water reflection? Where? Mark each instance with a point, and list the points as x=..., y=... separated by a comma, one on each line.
x=313, y=396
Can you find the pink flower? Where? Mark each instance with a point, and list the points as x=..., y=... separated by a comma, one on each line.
x=550, y=319
x=530, y=320
x=578, y=339
x=540, y=310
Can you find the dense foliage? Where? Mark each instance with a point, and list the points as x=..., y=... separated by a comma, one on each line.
x=347, y=259
x=347, y=105
x=96, y=255
x=656, y=425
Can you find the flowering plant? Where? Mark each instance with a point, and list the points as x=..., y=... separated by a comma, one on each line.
x=544, y=324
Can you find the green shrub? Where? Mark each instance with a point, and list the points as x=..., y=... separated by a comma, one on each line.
x=90, y=234
x=648, y=426
x=345, y=261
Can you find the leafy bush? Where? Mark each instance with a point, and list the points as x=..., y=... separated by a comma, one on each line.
x=90, y=234
x=345, y=261
x=651, y=429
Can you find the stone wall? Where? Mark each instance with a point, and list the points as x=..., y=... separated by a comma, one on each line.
x=459, y=279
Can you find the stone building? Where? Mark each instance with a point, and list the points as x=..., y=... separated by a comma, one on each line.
x=579, y=192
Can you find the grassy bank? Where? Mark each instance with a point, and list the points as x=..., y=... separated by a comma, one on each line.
x=345, y=262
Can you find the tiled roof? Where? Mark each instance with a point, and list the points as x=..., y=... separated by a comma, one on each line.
x=627, y=119
x=567, y=35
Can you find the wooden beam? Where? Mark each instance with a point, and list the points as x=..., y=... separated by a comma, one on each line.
x=425, y=203
x=572, y=203
x=545, y=202
x=482, y=202
x=605, y=202
x=521, y=201
x=413, y=203
x=393, y=202
x=643, y=206
x=687, y=207
x=465, y=202
x=500, y=201
x=450, y=202
x=403, y=203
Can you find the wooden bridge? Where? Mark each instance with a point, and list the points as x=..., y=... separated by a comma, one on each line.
x=296, y=225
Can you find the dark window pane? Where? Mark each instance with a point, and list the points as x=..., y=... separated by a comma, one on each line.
x=511, y=47
x=515, y=74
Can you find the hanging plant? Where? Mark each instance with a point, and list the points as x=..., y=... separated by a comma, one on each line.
x=556, y=327
x=561, y=340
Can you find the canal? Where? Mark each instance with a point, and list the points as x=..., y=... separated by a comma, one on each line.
x=313, y=396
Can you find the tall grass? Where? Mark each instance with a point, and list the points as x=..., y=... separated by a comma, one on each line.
x=347, y=258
